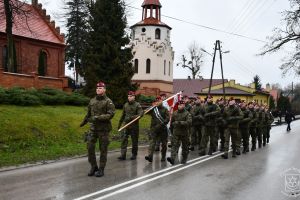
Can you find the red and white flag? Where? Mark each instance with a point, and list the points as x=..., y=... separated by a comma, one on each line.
x=171, y=103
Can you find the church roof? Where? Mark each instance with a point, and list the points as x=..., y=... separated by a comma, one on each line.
x=36, y=25
x=151, y=21
x=151, y=2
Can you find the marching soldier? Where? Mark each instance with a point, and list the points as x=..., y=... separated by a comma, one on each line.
x=212, y=111
x=260, y=125
x=100, y=112
x=253, y=125
x=157, y=145
x=158, y=129
x=245, y=125
x=181, y=121
x=197, y=124
x=131, y=110
x=233, y=116
x=269, y=121
x=221, y=123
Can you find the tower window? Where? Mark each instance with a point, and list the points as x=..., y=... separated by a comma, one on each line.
x=164, y=67
x=169, y=68
x=157, y=34
x=143, y=30
x=136, y=66
x=148, y=66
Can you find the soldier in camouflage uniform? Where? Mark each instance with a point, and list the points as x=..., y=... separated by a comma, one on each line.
x=181, y=121
x=245, y=126
x=197, y=124
x=100, y=111
x=261, y=125
x=212, y=112
x=253, y=124
x=158, y=129
x=221, y=123
x=233, y=115
x=131, y=110
x=157, y=145
x=270, y=121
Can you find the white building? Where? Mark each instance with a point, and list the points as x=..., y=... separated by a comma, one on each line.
x=152, y=50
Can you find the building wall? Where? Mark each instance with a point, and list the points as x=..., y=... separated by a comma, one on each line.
x=28, y=51
x=159, y=51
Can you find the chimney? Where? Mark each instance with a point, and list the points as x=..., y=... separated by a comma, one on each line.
x=189, y=78
x=268, y=87
x=34, y=2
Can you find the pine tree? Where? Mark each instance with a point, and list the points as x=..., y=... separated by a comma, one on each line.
x=257, y=82
x=78, y=27
x=108, y=58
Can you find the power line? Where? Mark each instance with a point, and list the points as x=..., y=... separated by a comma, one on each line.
x=207, y=27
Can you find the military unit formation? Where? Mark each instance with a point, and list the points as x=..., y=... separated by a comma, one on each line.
x=195, y=124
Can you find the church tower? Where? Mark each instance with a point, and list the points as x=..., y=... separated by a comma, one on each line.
x=152, y=50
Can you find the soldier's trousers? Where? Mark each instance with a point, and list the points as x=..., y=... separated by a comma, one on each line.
x=245, y=136
x=252, y=132
x=158, y=136
x=134, y=134
x=259, y=133
x=103, y=146
x=209, y=134
x=264, y=135
x=231, y=133
x=268, y=133
x=196, y=135
x=178, y=140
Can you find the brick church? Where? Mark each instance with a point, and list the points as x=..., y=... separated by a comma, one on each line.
x=39, y=48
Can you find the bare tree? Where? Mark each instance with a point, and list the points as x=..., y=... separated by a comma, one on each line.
x=12, y=8
x=194, y=60
x=290, y=35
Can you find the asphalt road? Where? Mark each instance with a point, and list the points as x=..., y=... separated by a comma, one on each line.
x=263, y=174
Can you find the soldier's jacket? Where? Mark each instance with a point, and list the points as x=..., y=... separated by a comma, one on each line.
x=269, y=118
x=261, y=118
x=197, y=113
x=233, y=115
x=181, y=121
x=100, y=110
x=159, y=122
x=247, y=117
x=131, y=110
x=254, y=119
x=221, y=122
x=188, y=107
x=212, y=112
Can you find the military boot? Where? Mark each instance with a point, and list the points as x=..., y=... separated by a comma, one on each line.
x=225, y=155
x=202, y=153
x=192, y=148
x=133, y=157
x=238, y=152
x=123, y=155
x=259, y=145
x=93, y=170
x=163, y=157
x=183, y=161
x=149, y=158
x=210, y=151
x=234, y=153
x=157, y=148
x=170, y=160
x=100, y=173
x=267, y=140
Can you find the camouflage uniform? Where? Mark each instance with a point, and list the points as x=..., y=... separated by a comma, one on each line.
x=188, y=107
x=253, y=128
x=244, y=128
x=233, y=115
x=270, y=121
x=131, y=110
x=197, y=113
x=221, y=127
x=212, y=111
x=181, y=121
x=261, y=126
x=158, y=131
x=100, y=111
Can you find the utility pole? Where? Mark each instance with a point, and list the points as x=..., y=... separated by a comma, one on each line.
x=217, y=48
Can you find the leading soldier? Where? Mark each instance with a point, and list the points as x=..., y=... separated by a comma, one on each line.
x=245, y=125
x=100, y=112
x=131, y=110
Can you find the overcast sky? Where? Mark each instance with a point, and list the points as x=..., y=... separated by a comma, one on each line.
x=252, y=18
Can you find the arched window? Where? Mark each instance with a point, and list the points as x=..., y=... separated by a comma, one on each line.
x=157, y=34
x=42, y=68
x=136, y=66
x=148, y=66
x=169, y=68
x=164, y=67
x=4, y=58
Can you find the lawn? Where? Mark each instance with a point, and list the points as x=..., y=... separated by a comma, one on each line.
x=31, y=134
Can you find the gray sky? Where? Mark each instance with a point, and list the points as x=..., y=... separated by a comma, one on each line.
x=252, y=18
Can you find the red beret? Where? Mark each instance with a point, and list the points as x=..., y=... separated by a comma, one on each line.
x=131, y=93
x=100, y=84
x=158, y=98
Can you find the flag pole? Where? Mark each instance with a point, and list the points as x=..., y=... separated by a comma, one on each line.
x=145, y=112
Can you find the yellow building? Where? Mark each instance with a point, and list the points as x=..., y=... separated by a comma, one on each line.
x=238, y=92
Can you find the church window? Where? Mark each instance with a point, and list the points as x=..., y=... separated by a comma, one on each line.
x=157, y=34
x=136, y=66
x=148, y=66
